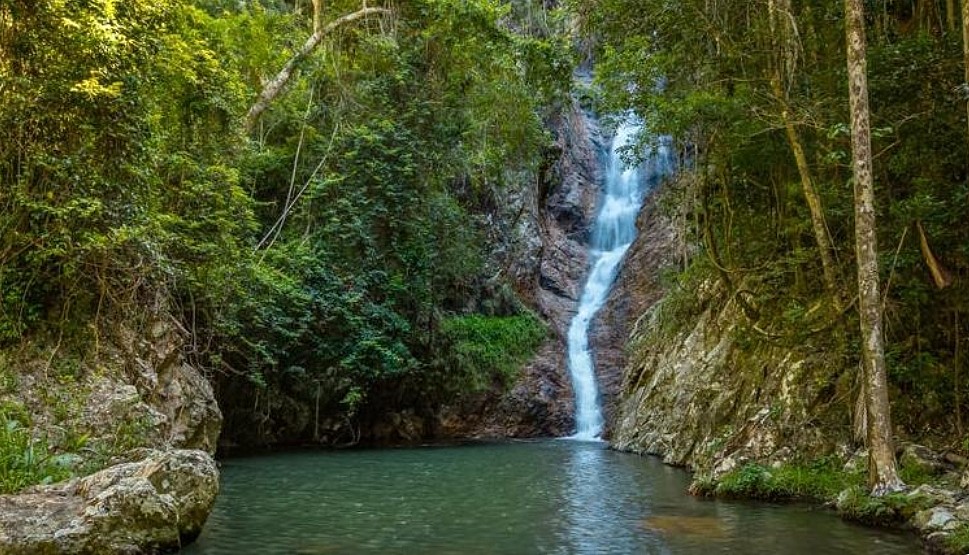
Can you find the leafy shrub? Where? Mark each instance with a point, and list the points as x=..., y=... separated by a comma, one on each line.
x=26, y=460
x=486, y=348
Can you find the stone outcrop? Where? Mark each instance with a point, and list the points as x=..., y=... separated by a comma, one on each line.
x=686, y=377
x=637, y=288
x=134, y=388
x=172, y=394
x=548, y=261
x=148, y=506
x=711, y=396
x=131, y=395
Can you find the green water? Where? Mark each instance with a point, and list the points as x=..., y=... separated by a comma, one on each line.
x=558, y=497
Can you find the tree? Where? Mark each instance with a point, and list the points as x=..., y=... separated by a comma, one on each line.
x=784, y=43
x=276, y=85
x=883, y=475
x=965, y=51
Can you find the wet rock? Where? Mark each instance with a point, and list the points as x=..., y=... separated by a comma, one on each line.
x=549, y=274
x=937, y=542
x=934, y=519
x=934, y=495
x=637, y=289
x=151, y=505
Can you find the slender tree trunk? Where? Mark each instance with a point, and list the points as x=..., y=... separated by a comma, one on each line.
x=818, y=224
x=965, y=53
x=950, y=15
x=779, y=40
x=941, y=276
x=883, y=474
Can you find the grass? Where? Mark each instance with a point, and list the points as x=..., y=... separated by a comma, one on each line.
x=487, y=347
x=26, y=460
x=823, y=481
x=958, y=540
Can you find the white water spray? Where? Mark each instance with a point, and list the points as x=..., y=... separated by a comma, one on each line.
x=612, y=234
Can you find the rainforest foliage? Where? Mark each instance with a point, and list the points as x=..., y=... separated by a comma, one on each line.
x=330, y=251
x=755, y=94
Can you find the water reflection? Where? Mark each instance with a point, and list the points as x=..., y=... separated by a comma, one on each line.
x=556, y=497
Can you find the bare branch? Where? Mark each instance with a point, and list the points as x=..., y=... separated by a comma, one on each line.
x=278, y=83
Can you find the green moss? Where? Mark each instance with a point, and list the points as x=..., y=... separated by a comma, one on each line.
x=8, y=377
x=958, y=540
x=915, y=475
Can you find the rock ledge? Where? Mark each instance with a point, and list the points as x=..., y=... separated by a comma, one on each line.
x=148, y=506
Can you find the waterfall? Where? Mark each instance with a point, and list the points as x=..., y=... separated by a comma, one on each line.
x=613, y=232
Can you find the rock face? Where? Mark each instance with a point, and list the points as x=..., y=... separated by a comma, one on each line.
x=685, y=377
x=148, y=506
x=132, y=395
x=705, y=396
x=134, y=389
x=171, y=394
x=548, y=263
x=637, y=288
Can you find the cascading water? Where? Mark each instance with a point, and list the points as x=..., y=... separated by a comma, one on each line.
x=612, y=234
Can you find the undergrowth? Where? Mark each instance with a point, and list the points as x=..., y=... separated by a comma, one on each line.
x=889, y=510
x=823, y=481
x=26, y=459
x=489, y=347
x=818, y=480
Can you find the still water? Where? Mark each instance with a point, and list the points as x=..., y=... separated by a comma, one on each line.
x=561, y=497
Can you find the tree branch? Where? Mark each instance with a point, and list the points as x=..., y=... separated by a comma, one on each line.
x=278, y=83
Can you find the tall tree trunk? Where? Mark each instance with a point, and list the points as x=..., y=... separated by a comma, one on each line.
x=883, y=474
x=780, y=17
x=965, y=52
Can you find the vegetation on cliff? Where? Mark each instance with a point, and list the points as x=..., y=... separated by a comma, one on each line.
x=756, y=96
x=320, y=239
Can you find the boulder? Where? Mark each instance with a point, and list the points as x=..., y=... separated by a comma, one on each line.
x=922, y=458
x=152, y=505
x=934, y=495
x=935, y=519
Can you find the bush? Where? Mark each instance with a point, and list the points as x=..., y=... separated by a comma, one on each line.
x=487, y=348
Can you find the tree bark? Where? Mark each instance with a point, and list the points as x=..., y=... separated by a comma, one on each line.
x=883, y=474
x=965, y=55
x=275, y=86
